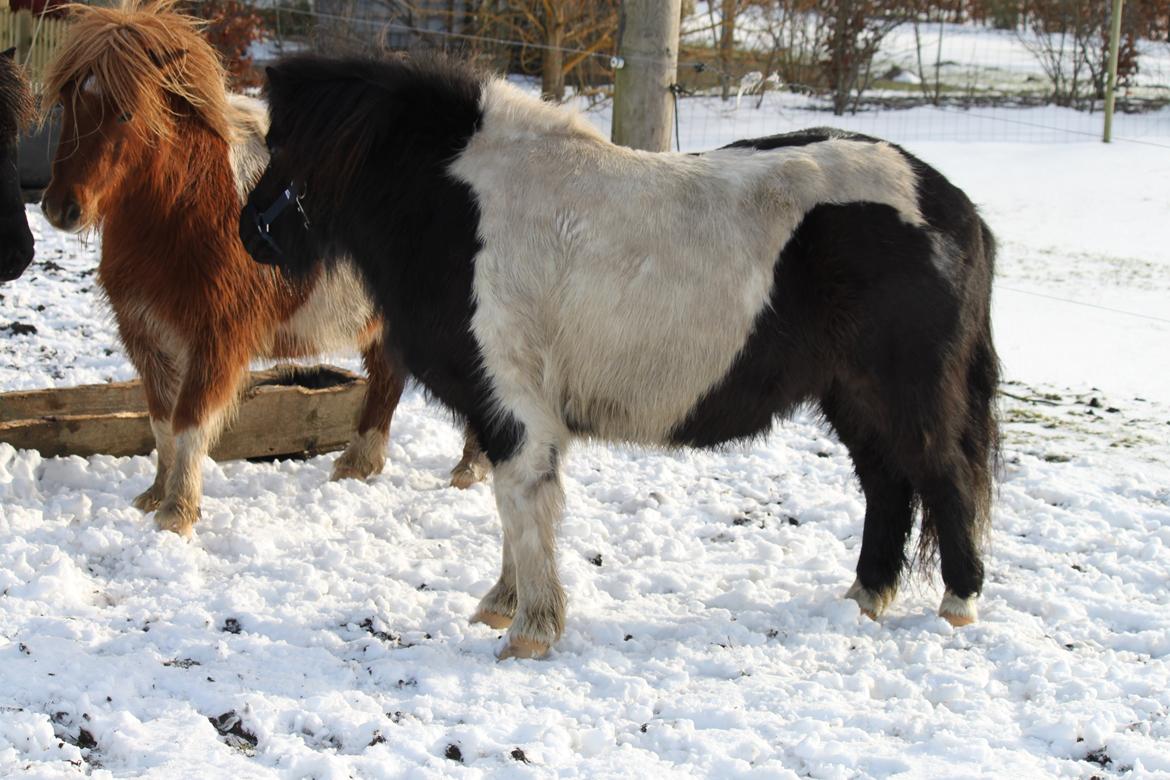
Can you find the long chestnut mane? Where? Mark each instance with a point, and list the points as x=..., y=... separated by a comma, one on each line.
x=142, y=56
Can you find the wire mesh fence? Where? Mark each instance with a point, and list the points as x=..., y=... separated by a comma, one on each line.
x=927, y=81
x=938, y=82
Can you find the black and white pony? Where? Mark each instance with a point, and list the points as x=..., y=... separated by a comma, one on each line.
x=546, y=284
x=16, y=110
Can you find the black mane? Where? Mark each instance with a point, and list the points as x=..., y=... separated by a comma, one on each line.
x=391, y=129
x=424, y=109
x=16, y=101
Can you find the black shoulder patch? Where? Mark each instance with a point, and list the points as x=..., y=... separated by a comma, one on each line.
x=813, y=135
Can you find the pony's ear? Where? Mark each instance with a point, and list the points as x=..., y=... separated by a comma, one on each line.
x=10, y=53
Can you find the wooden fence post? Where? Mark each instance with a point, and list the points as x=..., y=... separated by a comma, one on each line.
x=24, y=35
x=643, y=107
x=1111, y=83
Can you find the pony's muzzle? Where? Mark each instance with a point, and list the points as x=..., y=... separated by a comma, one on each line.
x=16, y=250
x=65, y=215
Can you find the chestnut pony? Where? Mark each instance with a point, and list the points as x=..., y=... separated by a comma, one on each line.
x=16, y=109
x=157, y=155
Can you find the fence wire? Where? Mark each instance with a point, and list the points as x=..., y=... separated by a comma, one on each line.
x=930, y=82
x=927, y=82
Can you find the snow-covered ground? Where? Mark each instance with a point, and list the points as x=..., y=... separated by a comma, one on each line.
x=317, y=629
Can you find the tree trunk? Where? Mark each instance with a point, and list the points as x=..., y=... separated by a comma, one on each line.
x=727, y=44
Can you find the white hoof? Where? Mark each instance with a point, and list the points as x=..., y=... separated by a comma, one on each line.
x=519, y=647
x=873, y=604
x=958, y=612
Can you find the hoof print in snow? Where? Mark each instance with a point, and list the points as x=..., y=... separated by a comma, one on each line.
x=231, y=626
x=182, y=663
x=518, y=755
x=595, y=559
x=21, y=329
x=1103, y=760
x=453, y=753
x=85, y=740
x=377, y=739
x=231, y=728
x=385, y=636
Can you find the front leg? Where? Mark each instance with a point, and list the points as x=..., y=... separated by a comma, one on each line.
x=209, y=390
x=157, y=370
x=530, y=498
x=164, y=444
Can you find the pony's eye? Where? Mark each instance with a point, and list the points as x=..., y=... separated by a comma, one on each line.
x=125, y=117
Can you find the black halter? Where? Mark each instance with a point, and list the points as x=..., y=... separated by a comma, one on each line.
x=293, y=193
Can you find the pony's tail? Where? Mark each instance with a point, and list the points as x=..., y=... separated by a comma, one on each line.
x=979, y=438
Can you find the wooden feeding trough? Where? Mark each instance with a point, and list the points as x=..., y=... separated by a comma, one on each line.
x=285, y=412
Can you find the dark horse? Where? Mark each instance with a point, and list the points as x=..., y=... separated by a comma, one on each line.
x=546, y=284
x=16, y=109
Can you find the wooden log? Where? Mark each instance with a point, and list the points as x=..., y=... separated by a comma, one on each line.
x=114, y=398
x=285, y=412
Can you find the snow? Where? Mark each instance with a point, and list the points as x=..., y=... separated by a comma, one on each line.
x=317, y=629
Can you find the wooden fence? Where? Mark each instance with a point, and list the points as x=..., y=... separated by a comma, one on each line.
x=35, y=39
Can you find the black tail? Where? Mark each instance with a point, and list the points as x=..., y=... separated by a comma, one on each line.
x=979, y=435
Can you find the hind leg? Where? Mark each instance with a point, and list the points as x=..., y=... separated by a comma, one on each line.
x=498, y=607
x=958, y=501
x=366, y=454
x=889, y=517
x=889, y=511
x=950, y=507
x=474, y=466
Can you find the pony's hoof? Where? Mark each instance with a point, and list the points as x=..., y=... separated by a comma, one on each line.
x=346, y=471
x=176, y=521
x=873, y=604
x=519, y=647
x=467, y=474
x=958, y=611
x=364, y=457
x=148, y=500
x=355, y=467
x=491, y=619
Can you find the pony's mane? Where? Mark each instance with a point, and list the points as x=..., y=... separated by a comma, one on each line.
x=16, y=102
x=334, y=111
x=139, y=52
